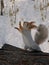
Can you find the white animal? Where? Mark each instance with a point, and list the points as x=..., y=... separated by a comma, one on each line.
x=26, y=35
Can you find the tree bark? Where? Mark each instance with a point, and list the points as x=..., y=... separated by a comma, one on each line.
x=10, y=55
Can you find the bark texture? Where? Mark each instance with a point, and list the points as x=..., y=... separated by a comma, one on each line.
x=10, y=55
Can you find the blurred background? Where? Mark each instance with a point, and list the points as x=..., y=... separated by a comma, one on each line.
x=13, y=11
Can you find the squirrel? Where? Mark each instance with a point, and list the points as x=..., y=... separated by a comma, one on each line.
x=27, y=37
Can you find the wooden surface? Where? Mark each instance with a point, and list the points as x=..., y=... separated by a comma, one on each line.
x=10, y=55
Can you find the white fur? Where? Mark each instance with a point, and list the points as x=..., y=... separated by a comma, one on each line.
x=40, y=37
x=28, y=41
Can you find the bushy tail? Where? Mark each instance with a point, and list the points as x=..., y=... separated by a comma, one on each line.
x=41, y=34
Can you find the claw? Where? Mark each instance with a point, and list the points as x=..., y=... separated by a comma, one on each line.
x=34, y=26
x=32, y=22
x=20, y=23
x=20, y=26
x=16, y=28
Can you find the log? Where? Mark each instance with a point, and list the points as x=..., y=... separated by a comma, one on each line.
x=10, y=55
